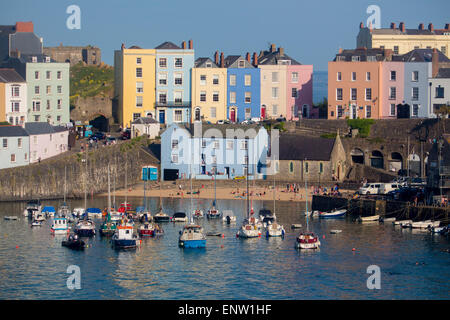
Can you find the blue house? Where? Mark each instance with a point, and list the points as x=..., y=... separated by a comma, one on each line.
x=243, y=88
x=173, y=82
x=208, y=151
x=15, y=147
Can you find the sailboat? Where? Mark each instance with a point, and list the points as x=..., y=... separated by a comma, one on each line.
x=192, y=235
x=161, y=216
x=249, y=228
x=213, y=213
x=307, y=239
x=64, y=210
x=273, y=229
x=108, y=227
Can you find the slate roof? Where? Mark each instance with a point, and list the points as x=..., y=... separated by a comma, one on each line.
x=26, y=43
x=144, y=120
x=272, y=58
x=34, y=128
x=167, y=45
x=231, y=62
x=443, y=73
x=10, y=75
x=295, y=147
x=201, y=63
x=421, y=55
x=60, y=128
x=12, y=131
x=223, y=129
x=363, y=53
x=397, y=31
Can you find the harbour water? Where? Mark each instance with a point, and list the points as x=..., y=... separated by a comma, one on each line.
x=414, y=265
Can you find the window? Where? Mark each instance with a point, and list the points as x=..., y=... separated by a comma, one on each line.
x=232, y=97
x=15, y=91
x=274, y=76
x=248, y=113
x=139, y=87
x=339, y=76
x=215, y=79
x=395, y=49
x=392, y=109
x=59, y=103
x=203, y=146
x=178, y=97
x=294, y=93
x=321, y=167
x=230, y=145
x=294, y=77
x=203, y=80
x=138, y=72
x=215, y=96
x=48, y=75
x=444, y=50
x=203, y=96
x=353, y=76
x=306, y=167
x=163, y=62
x=162, y=78
x=368, y=94
x=36, y=106
x=58, y=75
x=241, y=64
x=49, y=90
x=213, y=112
x=354, y=94
x=162, y=98
x=138, y=60
x=415, y=76
x=139, y=101
x=368, y=111
x=248, y=97
x=340, y=58
x=5, y=143
x=178, y=62
x=439, y=92
x=232, y=80
x=37, y=118
x=356, y=58
x=392, y=93
x=415, y=93
x=291, y=167
x=367, y=76
x=244, y=145
x=393, y=75
x=274, y=93
x=274, y=109
x=136, y=116
x=174, y=158
x=15, y=106
x=415, y=111
x=26, y=156
x=340, y=111
x=178, y=116
x=371, y=58
x=178, y=79
x=248, y=80
x=36, y=89
x=13, y=158
x=36, y=75
x=339, y=94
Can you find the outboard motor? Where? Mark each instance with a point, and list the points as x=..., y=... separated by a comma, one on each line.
x=228, y=220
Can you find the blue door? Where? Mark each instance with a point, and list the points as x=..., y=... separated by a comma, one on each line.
x=162, y=116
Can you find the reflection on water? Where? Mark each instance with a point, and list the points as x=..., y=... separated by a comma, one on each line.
x=33, y=263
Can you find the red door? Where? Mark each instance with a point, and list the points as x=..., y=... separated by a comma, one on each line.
x=233, y=115
x=263, y=112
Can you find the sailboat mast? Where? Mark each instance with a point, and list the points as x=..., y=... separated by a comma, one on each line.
x=109, y=193
x=114, y=182
x=190, y=178
x=65, y=183
x=306, y=196
x=274, y=189
x=126, y=184
x=248, y=204
x=85, y=179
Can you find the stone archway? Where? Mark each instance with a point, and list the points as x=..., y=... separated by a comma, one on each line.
x=357, y=156
x=377, y=159
x=100, y=122
x=395, y=162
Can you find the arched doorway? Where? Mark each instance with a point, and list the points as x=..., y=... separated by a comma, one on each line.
x=100, y=123
x=396, y=162
x=357, y=156
x=233, y=114
x=414, y=165
x=377, y=159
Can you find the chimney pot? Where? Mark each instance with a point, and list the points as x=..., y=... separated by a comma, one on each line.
x=392, y=25
x=421, y=26
x=430, y=27
x=247, y=57
x=255, y=59
x=191, y=44
x=361, y=25
x=183, y=45
x=222, y=62
x=340, y=50
x=402, y=26
x=281, y=50
x=447, y=26
x=123, y=46
x=272, y=47
x=216, y=58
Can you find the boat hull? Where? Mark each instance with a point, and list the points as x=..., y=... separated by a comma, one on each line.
x=124, y=243
x=60, y=231
x=192, y=243
x=331, y=215
x=161, y=219
x=308, y=246
x=85, y=232
x=146, y=233
x=75, y=245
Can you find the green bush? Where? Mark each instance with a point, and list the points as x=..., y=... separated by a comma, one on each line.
x=363, y=126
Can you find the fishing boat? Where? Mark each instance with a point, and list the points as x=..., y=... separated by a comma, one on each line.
x=32, y=207
x=228, y=217
x=49, y=211
x=94, y=213
x=64, y=210
x=59, y=225
x=401, y=222
x=369, y=218
x=11, y=218
x=147, y=229
x=161, y=217
x=179, y=217
x=124, y=207
x=332, y=214
x=307, y=239
x=85, y=228
x=78, y=212
x=198, y=213
x=73, y=242
x=124, y=237
x=108, y=227
x=36, y=223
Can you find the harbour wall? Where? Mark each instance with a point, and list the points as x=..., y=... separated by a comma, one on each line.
x=385, y=208
x=45, y=180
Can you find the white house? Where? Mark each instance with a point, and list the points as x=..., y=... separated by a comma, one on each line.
x=145, y=125
x=13, y=97
x=46, y=140
x=440, y=89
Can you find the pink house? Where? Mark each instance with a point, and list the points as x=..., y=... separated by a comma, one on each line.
x=299, y=97
x=391, y=88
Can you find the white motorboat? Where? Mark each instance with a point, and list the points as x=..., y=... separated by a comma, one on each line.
x=38, y=216
x=275, y=230
x=36, y=223
x=59, y=225
x=296, y=226
x=424, y=224
x=78, y=212
x=332, y=214
x=401, y=222
x=228, y=217
x=335, y=231
x=161, y=217
x=249, y=230
x=32, y=207
x=85, y=228
x=369, y=218
x=179, y=217
x=64, y=210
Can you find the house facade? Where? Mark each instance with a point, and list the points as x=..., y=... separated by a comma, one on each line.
x=145, y=125
x=243, y=88
x=173, y=82
x=392, y=91
x=209, y=90
x=13, y=97
x=440, y=89
x=45, y=141
x=14, y=148
x=214, y=151
x=134, y=84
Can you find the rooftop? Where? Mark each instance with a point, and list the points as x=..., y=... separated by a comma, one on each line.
x=34, y=128
x=10, y=75
x=296, y=147
x=12, y=131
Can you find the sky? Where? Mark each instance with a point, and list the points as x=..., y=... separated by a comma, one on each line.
x=311, y=32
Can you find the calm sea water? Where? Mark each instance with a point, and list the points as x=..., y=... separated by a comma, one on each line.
x=33, y=264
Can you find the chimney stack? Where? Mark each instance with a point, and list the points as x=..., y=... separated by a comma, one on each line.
x=447, y=26
x=255, y=59
x=281, y=51
x=222, y=62
x=430, y=27
x=340, y=50
x=402, y=26
x=392, y=25
x=191, y=44
x=388, y=54
x=24, y=26
x=247, y=57
x=421, y=26
x=183, y=45
x=123, y=46
x=361, y=25
x=216, y=58
x=272, y=47
x=434, y=63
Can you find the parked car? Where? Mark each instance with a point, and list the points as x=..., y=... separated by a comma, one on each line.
x=418, y=182
x=223, y=122
x=126, y=134
x=255, y=119
x=98, y=136
x=370, y=188
x=387, y=187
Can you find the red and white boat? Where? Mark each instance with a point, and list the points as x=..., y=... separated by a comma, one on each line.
x=307, y=240
x=147, y=229
x=124, y=207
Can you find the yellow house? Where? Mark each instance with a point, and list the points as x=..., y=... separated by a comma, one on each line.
x=209, y=91
x=402, y=40
x=134, y=84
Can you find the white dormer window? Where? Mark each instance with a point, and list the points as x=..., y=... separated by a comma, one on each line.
x=284, y=62
x=241, y=64
x=356, y=58
x=33, y=59
x=371, y=58
x=47, y=59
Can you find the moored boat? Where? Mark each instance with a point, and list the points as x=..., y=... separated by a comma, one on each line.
x=213, y=213
x=32, y=207
x=11, y=218
x=78, y=212
x=59, y=225
x=124, y=237
x=147, y=229
x=94, y=213
x=85, y=228
x=49, y=211
x=161, y=217
x=307, y=240
x=275, y=230
x=369, y=218
x=198, y=213
x=192, y=236
x=73, y=242
x=228, y=217
x=179, y=217
x=36, y=223
x=332, y=214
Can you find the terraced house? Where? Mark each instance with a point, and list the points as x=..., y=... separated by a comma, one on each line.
x=14, y=147
x=13, y=97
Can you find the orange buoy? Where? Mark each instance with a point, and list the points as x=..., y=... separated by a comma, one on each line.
x=353, y=249
x=17, y=247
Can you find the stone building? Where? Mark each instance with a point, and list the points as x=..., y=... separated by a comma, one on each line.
x=73, y=55
x=312, y=158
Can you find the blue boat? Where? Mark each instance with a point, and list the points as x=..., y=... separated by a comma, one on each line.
x=124, y=237
x=49, y=210
x=94, y=213
x=332, y=214
x=192, y=236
